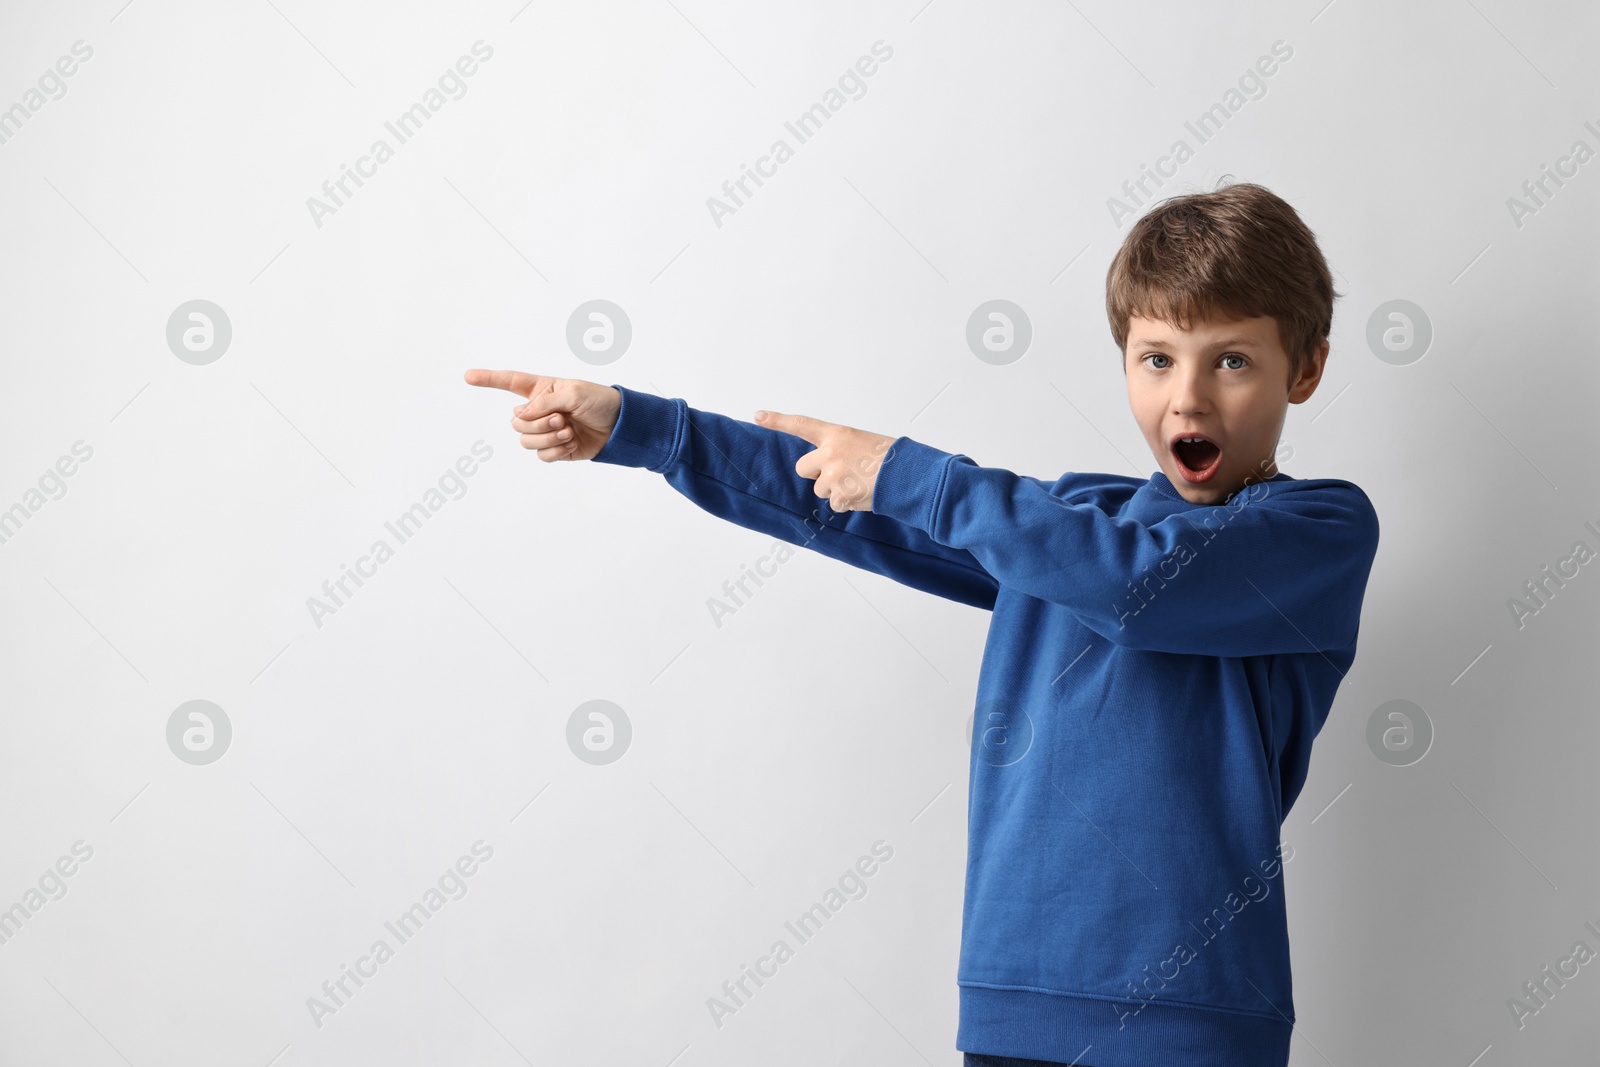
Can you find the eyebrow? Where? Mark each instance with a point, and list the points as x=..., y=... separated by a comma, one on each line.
x=1229, y=342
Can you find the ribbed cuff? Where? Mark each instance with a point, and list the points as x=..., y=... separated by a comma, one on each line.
x=910, y=482
x=649, y=433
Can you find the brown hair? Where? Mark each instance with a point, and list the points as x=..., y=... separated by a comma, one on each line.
x=1237, y=252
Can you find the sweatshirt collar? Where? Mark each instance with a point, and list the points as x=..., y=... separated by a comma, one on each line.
x=1163, y=486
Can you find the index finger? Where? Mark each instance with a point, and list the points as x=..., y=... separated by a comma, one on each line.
x=799, y=425
x=513, y=381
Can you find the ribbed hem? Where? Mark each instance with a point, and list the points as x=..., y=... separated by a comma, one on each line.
x=1114, y=1032
x=649, y=432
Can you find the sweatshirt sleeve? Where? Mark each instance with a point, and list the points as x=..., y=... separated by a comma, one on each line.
x=745, y=473
x=1281, y=568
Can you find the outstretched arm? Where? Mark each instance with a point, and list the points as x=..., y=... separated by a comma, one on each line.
x=735, y=470
x=746, y=474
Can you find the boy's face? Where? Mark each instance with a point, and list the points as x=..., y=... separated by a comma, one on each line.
x=1224, y=379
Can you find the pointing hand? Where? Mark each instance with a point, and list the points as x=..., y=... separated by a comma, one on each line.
x=845, y=462
x=563, y=418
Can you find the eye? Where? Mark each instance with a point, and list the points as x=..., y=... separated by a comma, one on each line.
x=1237, y=356
x=1154, y=355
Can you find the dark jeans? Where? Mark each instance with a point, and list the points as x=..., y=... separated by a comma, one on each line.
x=975, y=1059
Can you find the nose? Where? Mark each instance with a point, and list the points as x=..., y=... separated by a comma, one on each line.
x=1190, y=393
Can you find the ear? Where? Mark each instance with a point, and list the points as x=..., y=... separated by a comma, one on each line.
x=1301, y=388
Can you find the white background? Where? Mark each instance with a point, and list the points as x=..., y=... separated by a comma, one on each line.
x=769, y=753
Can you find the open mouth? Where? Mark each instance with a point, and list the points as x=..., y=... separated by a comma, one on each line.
x=1198, y=456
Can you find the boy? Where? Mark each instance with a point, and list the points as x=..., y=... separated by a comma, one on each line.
x=1162, y=653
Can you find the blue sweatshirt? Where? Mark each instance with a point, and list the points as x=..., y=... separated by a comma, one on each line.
x=1154, y=676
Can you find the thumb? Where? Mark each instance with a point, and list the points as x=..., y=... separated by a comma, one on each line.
x=541, y=401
